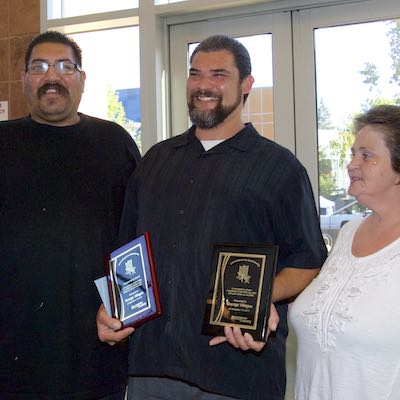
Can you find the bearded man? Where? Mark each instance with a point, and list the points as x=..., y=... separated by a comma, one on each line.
x=219, y=182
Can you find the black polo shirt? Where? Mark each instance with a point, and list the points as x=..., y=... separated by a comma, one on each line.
x=246, y=189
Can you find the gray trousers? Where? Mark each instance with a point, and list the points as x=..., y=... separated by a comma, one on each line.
x=151, y=388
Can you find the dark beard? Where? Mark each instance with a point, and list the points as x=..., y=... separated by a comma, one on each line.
x=212, y=118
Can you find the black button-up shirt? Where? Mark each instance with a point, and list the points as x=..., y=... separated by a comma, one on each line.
x=246, y=189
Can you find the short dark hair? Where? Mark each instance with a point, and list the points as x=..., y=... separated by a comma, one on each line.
x=222, y=42
x=386, y=119
x=54, y=37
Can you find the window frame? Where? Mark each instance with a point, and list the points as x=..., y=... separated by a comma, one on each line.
x=304, y=23
x=154, y=22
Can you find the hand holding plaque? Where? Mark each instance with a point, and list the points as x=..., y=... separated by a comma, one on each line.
x=133, y=287
x=240, y=289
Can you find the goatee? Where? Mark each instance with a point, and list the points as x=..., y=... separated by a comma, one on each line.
x=211, y=118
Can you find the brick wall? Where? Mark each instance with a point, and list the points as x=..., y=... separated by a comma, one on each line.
x=19, y=23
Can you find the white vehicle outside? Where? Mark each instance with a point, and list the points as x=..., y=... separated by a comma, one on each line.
x=331, y=223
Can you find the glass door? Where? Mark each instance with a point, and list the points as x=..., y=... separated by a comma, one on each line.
x=355, y=64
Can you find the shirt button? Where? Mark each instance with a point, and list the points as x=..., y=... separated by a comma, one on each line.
x=181, y=212
x=191, y=181
x=44, y=209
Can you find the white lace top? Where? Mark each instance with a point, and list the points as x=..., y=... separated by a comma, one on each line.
x=347, y=323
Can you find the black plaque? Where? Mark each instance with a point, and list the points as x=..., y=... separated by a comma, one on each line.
x=240, y=289
x=133, y=286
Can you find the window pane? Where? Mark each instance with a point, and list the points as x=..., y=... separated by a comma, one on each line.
x=112, y=89
x=357, y=66
x=259, y=105
x=72, y=8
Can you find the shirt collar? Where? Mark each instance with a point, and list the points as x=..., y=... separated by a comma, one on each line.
x=244, y=140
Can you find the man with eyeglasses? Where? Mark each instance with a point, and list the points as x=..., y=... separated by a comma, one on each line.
x=62, y=182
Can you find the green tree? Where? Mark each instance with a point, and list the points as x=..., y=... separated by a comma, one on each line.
x=326, y=179
x=324, y=116
x=371, y=72
x=371, y=75
x=369, y=103
x=116, y=113
x=394, y=42
x=340, y=146
x=115, y=108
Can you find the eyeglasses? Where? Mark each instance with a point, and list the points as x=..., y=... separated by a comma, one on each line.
x=61, y=67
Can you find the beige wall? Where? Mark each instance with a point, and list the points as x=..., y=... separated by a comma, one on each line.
x=260, y=111
x=19, y=22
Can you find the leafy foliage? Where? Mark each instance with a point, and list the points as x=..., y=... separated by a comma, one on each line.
x=116, y=113
x=340, y=146
x=324, y=116
x=326, y=180
x=371, y=75
x=394, y=41
x=115, y=108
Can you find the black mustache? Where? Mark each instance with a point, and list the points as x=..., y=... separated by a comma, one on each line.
x=60, y=89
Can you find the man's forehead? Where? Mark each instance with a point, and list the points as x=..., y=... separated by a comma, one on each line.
x=221, y=59
x=50, y=50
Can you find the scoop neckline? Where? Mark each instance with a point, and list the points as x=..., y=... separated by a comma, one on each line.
x=383, y=249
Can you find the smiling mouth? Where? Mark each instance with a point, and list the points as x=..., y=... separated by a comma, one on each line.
x=50, y=91
x=206, y=98
x=52, y=88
